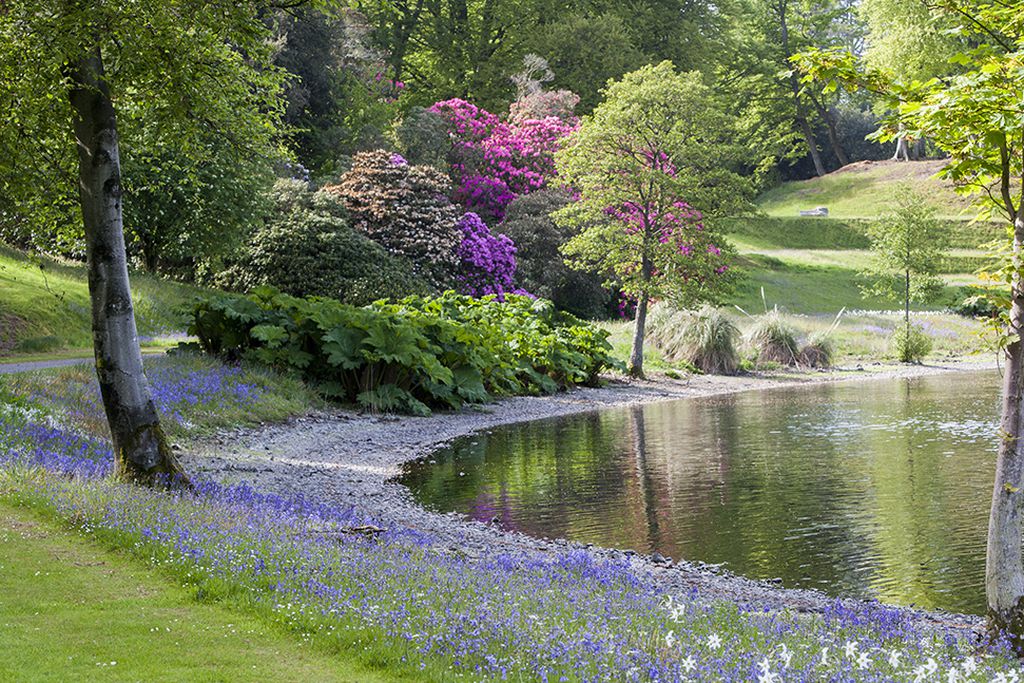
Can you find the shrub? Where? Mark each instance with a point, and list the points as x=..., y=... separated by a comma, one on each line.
x=423, y=138
x=488, y=262
x=772, y=340
x=540, y=269
x=910, y=344
x=819, y=351
x=705, y=339
x=307, y=248
x=413, y=355
x=494, y=161
x=406, y=210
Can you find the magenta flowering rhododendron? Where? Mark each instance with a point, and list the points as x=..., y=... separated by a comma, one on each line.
x=496, y=161
x=488, y=261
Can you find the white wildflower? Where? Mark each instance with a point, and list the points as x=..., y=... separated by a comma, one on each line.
x=850, y=649
x=670, y=639
x=714, y=641
x=863, y=662
x=894, y=658
x=786, y=655
x=824, y=656
x=688, y=664
x=970, y=665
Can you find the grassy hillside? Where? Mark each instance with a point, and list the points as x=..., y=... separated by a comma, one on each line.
x=810, y=265
x=44, y=305
x=860, y=191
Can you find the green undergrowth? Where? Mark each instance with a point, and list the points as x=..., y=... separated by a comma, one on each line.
x=44, y=305
x=73, y=610
x=413, y=355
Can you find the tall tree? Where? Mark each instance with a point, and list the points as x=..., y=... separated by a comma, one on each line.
x=653, y=159
x=200, y=60
x=977, y=118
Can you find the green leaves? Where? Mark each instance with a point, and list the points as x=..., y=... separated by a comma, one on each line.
x=412, y=355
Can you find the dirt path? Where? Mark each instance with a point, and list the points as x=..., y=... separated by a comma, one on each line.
x=350, y=459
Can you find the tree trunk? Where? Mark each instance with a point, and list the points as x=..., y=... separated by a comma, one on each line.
x=1004, y=570
x=833, y=134
x=636, y=355
x=140, y=448
x=782, y=8
x=901, y=149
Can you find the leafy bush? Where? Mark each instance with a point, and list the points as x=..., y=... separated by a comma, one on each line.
x=307, y=248
x=977, y=302
x=772, y=340
x=423, y=138
x=540, y=268
x=406, y=210
x=488, y=262
x=819, y=351
x=706, y=338
x=910, y=344
x=412, y=355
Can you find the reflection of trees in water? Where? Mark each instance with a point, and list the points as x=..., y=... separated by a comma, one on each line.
x=836, y=486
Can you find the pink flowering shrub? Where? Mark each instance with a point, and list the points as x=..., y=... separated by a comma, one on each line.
x=496, y=161
x=487, y=261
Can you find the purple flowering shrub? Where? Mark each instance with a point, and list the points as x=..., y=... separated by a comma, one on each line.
x=488, y=261
x=570, y=616
x=495, y=161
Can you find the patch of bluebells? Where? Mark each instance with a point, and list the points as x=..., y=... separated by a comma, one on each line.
x=487, y=261
x=180, y=389
x=570, y=616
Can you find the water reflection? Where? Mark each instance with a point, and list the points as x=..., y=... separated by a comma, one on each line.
x=877, y=489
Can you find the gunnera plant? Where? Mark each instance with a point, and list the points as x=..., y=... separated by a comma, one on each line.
x=819, y=351
x=910, y=344
x=773, y=340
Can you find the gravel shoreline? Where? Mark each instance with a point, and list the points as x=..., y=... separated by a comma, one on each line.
x=349, y=459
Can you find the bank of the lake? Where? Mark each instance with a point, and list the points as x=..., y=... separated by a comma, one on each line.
x=351, y=459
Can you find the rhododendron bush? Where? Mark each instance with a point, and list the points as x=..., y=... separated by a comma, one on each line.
x=488, y=262
x=495, y=161
x=406, y=210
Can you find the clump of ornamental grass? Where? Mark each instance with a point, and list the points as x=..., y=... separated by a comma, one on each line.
x=819, y=351
x=773, y=340
x=707, y=340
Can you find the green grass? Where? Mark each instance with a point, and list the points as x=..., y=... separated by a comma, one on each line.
x=46, y=310
x=71, y=611
x=861, y=191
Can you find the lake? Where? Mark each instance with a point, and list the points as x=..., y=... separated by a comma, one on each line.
x=876, y=489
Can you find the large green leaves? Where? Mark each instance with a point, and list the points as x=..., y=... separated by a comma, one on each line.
x=411, y=355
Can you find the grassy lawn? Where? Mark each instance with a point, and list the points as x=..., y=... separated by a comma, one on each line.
x=70, y=611
x=860, y=190
x=46, y=309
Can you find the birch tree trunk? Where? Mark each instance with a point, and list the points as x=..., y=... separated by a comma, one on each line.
x=1004, y=569
x=140, y=448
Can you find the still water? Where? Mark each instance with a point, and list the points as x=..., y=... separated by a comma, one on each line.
x=876, y=489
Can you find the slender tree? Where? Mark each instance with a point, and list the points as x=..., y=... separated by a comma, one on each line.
x=977, y=118
x=908, y=245
x=655, y=158
x=200, y=59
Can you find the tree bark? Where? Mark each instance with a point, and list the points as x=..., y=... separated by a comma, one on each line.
x=1004, y=565
x=140, y=447
x=833, y=134
x=800, y=113
x=636, y=355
